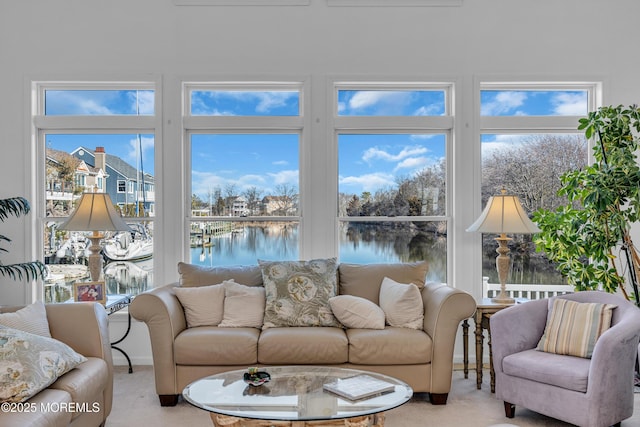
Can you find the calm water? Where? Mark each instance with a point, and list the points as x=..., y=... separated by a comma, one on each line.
x=359, y=243
x=367, y=243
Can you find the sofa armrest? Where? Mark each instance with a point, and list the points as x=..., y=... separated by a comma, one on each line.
x=160, y=309
x=444, y=308
x=85, y=328
x=516, y=329
x=609, y=381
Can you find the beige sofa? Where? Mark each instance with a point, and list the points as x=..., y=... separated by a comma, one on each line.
x=423, y=358
x=82, y=396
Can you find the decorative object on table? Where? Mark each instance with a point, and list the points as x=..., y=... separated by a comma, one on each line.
x=96, y=213
x=359, y=387
x=255, y=377
x=602, y=204
x=503, y=214
x=17, y=206
x=90, y=292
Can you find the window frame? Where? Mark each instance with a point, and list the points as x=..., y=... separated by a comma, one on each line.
x=519, y=125
x=444, y=124
x=216, y=125
x=41, y=125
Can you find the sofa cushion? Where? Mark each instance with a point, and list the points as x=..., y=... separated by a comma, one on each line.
x=32, y=319
x=243, y=306
x=298, y=292
x=390, y=346
x=568, y=372
x=30, y=363
x=212, y=345
x=302, y=346
x=195, y=275
x=85, y=384
x=364, y=280
x=356, y=312
x=402, y=304
x=203, y=305
x=574, y=327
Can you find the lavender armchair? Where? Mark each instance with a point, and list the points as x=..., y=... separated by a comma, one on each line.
x=594, y=392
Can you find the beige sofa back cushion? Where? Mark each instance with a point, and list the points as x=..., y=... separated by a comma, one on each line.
x=364, y=280
x=195, y=275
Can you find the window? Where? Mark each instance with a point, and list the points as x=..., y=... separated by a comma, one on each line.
x=96, y=137
x=393, y=142
x=528, y=138
x=244, y=143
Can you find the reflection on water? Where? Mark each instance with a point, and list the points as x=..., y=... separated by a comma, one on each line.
x=121, y=277
x=360, y=243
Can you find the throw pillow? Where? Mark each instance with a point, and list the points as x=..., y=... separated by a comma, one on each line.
x=195, y=275
x=203, y=305
x=574, y=327
x=298, y=292
x=402, y=304
x=30, y=363
x=363, y=280
x=356, y=312
x=32, y=319
x=243, y=306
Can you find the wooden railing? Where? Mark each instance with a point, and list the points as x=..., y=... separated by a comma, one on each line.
x=530, y=291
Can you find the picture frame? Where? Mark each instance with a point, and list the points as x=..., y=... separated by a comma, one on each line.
x=90, y=292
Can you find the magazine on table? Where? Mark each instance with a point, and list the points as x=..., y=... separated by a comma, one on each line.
x=359, y=387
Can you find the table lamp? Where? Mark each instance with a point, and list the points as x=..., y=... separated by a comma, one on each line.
x=503, y=214
x=96, y=213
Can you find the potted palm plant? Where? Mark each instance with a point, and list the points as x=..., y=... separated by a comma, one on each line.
x=589, y=238
x=17, y=206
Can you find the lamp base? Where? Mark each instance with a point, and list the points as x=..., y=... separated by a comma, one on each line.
x=505, y=300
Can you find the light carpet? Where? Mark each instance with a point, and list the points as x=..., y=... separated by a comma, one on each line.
x=136, y=404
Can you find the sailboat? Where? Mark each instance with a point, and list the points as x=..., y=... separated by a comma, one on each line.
x=128, y=246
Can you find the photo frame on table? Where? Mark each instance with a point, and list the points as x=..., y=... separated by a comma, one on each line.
x=90, y=292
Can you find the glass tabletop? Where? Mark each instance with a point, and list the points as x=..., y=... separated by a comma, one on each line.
x=294, y=393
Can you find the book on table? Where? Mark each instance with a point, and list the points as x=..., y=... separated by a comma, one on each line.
x=359, y=387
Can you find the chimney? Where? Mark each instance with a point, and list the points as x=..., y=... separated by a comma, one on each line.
x=100, y=159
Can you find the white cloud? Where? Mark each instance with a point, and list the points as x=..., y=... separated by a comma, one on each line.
x=145, y=99
x=280, y=163
x=378, y=153
x=133, y=156
x=570, y=104
x=285, y=177
x=504, y=102
x=413, y=163
x=427, y=110
x=368, y=182
x=502, y=142
x=367, y=98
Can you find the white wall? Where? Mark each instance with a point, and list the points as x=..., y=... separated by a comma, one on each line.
x=531, y=40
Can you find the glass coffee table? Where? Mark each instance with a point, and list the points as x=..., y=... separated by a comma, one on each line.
x=293, y=397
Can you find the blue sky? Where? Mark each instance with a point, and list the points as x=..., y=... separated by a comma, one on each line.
x=366, y=162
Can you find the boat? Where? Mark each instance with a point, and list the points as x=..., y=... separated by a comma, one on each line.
x=127, y=246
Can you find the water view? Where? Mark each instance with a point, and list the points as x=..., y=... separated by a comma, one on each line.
x=359, y=243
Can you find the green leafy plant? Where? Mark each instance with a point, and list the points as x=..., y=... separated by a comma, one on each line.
x=589, y=237
x=17, y=206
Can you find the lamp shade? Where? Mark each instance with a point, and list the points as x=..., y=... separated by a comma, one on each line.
x=504, y=214
x=95, y=212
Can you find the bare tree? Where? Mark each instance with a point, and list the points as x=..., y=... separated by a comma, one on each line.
x=253, y=195
x=286, y=199
x=532, y=170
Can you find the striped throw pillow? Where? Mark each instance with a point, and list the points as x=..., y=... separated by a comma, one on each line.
x=573, y=327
